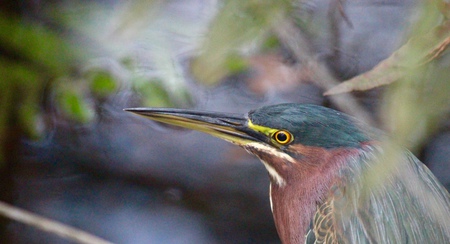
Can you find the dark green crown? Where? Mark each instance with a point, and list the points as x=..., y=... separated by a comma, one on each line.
x=311, y=125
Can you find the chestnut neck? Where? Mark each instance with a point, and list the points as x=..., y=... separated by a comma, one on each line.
x=308, y=183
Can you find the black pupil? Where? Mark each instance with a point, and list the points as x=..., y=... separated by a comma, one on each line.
x=282, y=137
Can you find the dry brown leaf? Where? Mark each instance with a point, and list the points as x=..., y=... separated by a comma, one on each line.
x=418, y=51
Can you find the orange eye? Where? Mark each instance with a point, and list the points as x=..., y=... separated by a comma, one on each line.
x=283, y=137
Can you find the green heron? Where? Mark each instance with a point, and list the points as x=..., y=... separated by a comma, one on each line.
x=317, y=159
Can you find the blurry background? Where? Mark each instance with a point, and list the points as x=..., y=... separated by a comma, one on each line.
x=68, y=68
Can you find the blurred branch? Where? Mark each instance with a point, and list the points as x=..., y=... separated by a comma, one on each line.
x=431, y=46
x=297, y=43
x=49, y=225
x=420, y=50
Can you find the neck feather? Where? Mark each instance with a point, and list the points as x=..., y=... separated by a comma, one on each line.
x=307, y=182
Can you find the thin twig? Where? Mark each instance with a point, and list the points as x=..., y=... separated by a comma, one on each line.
x=49, y=225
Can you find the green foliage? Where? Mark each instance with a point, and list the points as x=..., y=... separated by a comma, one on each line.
x=102, y=83
x=19, y=91
x=33, y=56
x=236, y=64
x=40, y=46
x=238, y=24
x=70, y=99
x=271, y=42
x=152, y=92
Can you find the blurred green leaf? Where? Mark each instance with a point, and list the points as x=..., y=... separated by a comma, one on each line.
x=237, y=24
x=35, y=55
x=22, y=86
x=415, y=106
x=29, y=118
x=271, y=42
x=102, y=82
x=74, y=106
x=41, y=46
x=153, y=93
x=236, y=64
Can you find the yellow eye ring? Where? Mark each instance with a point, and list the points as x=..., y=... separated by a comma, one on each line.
x=282, y=137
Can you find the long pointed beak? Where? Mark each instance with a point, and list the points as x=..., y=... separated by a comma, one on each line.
x=230, y=127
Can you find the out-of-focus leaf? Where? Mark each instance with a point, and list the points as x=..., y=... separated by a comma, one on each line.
x=28, y=110
x=11, y=71
x=271, y=42
x=238, y=23
x=74, y=106
x=39, y=45
x=236, y=64
x=30, y=120
x=22, y=82
x=153, y=93
x=414, y=107
x=418, y=51
x=102, y=83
